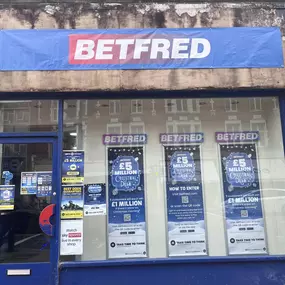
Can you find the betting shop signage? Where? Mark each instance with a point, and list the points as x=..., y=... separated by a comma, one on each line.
x=239, y=47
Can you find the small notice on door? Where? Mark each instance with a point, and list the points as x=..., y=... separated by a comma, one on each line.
x=7, y=195
x=71, y=239
x=36, y=183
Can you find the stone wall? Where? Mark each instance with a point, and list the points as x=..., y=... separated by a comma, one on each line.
x=129, y=15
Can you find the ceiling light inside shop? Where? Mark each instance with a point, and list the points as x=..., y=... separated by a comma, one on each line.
x=73, y=134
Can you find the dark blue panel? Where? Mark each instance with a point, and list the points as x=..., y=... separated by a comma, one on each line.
x=187, y=273
x=242, y=47
x=39, y=274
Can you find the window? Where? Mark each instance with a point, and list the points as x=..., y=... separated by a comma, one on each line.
x=28, y=116
x=183, y=127
x=170, y=106
x=115, y=128
x=255, y=104
x=137, y=107
x=114, y=107
x=181, y=105
x=232, y=126
x=196, y=179
x=260, y=126
x=194, y=105
x=231, y=105
x=54, y=111
x=137, y=128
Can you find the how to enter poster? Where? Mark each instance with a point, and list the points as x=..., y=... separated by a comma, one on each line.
x=242, y=199
x=126, y=211
x=185, y=206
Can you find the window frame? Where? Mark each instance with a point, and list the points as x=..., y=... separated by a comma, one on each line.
x=120, y=95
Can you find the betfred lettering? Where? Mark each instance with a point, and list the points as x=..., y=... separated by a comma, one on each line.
x=124, y=139
x=119, y=49
x=237, y=137
x=181, y=138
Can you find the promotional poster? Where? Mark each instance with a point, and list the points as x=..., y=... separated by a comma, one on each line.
x=126, y=205
x=71, y=237
x=29, y=183
x=185, y=206
x=95, y=199
x=44, y=184
x=7, y=195
x=36, y=183
x=73, y=167
x=72, y=202
x=242, y=199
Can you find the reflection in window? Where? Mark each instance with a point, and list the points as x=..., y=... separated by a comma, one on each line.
x=114, y=128
x=30, y=116
x=181, y=105
x=260, y=126
x=136, y=106
x=231, y=105
x=54, y=110
x=255, y=104
x=137, y=128
x=194, y=105
x=114, y=107
x=233, y=126
x=170, y=106
x=183, y=127
x=175, y=116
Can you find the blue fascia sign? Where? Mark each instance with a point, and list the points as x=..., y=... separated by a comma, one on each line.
x=239, y=47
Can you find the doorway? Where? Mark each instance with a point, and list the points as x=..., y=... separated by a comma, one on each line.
x=28, y=185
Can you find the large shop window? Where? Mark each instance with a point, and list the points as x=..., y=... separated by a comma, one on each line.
x=155, y=178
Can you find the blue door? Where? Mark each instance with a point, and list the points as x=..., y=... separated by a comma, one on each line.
x=28, y=194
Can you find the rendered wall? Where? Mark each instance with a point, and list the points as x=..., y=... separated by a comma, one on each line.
x=112, y=15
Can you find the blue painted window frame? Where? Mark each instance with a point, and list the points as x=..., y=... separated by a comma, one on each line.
x=182, y=94
x=55, y=138
x=61, y=97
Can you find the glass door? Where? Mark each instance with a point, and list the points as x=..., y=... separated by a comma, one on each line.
x=27, y=188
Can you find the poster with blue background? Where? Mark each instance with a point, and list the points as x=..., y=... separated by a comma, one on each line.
x=185, y=206
x=126, y=203
x=242, y=199
x=44, y=184
x=73, y=167
x=95, y=199
x=7, y=196
x=29, y=183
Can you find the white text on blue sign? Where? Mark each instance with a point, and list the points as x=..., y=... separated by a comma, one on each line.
x=181, y=138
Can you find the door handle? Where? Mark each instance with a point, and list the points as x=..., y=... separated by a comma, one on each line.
x=45, y=220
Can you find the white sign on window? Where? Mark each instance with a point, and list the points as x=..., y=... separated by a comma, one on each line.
x=71, y=237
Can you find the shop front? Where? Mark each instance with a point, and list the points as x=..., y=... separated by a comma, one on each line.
x=173, y=187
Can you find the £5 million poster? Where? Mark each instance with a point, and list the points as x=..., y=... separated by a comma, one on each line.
x=242, y=199
x=185, y=206
x=126, y=211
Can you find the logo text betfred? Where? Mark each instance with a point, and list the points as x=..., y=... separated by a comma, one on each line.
x=237, y=136
x=134, y=48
